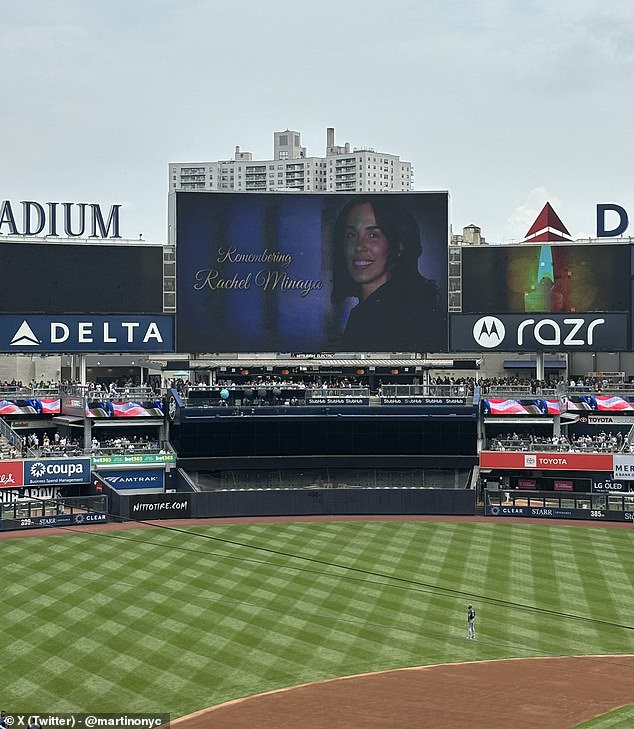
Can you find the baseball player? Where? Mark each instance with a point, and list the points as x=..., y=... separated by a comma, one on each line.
x=470, y=622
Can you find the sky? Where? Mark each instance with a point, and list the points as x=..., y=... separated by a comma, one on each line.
x=507, y=105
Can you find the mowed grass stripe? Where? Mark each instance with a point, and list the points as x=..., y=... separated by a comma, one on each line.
x=622, y=718
x=169, y=620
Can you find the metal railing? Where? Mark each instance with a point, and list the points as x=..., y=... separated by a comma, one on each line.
x=537, y=446
x=447, y=391
x=92, y=392
x=13, y=438
x=519, y=391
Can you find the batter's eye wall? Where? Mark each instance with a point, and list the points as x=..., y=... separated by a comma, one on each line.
x=326, y=436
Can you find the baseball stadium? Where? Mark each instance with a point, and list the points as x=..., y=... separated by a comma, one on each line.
x=260, y=479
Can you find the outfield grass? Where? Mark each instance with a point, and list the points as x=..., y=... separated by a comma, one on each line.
x=175, y=620
x=620, y=719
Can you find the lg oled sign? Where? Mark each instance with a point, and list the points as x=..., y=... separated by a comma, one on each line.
x=294, y=272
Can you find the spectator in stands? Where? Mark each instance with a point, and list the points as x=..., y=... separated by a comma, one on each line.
x=375, y=259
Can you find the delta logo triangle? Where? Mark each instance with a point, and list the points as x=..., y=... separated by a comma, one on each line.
x=24, y=336
x=547, y=228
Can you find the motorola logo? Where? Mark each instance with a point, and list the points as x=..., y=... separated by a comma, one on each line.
x=489, y=331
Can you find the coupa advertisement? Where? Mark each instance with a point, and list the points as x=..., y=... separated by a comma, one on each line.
x=293, y=272
x=56, y=471
x=45, y=472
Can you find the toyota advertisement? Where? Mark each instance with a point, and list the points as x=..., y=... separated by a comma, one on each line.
x=518, y=460
x=308, y=272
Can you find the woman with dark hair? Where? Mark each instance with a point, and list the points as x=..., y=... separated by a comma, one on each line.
x=375, y=259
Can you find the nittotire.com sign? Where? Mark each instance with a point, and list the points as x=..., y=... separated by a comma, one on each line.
x=160, y=506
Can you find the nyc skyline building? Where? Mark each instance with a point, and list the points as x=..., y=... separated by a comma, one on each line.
x=342, y=169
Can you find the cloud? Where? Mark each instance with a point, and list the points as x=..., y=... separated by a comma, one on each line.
x=524, y=215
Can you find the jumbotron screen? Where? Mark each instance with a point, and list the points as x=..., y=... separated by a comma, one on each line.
x=59, y=278
x=545, y=279
x=311, y=272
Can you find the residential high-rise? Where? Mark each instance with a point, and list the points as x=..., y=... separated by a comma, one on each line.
x=341, y=170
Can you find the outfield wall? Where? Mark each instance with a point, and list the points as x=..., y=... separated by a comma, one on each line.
x=287, y=502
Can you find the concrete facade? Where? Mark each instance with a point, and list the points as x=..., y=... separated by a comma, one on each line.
x=342, y=169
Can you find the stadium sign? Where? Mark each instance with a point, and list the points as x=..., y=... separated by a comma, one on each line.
x=9, y=495
x=137, y=458
x=77, y=220
x=51, y=471
x=11, y=474
x=619, y=228
x=603, y=484
x=160, y=506
x=592, y=419
x=624, y=467
x=536, y=333
x=565, y=461
x=123, y=333
x=55, y=520
x=142, y=479
x=419, y=400
x=554, y=513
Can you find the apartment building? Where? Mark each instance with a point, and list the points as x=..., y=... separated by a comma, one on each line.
x=342, y=169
